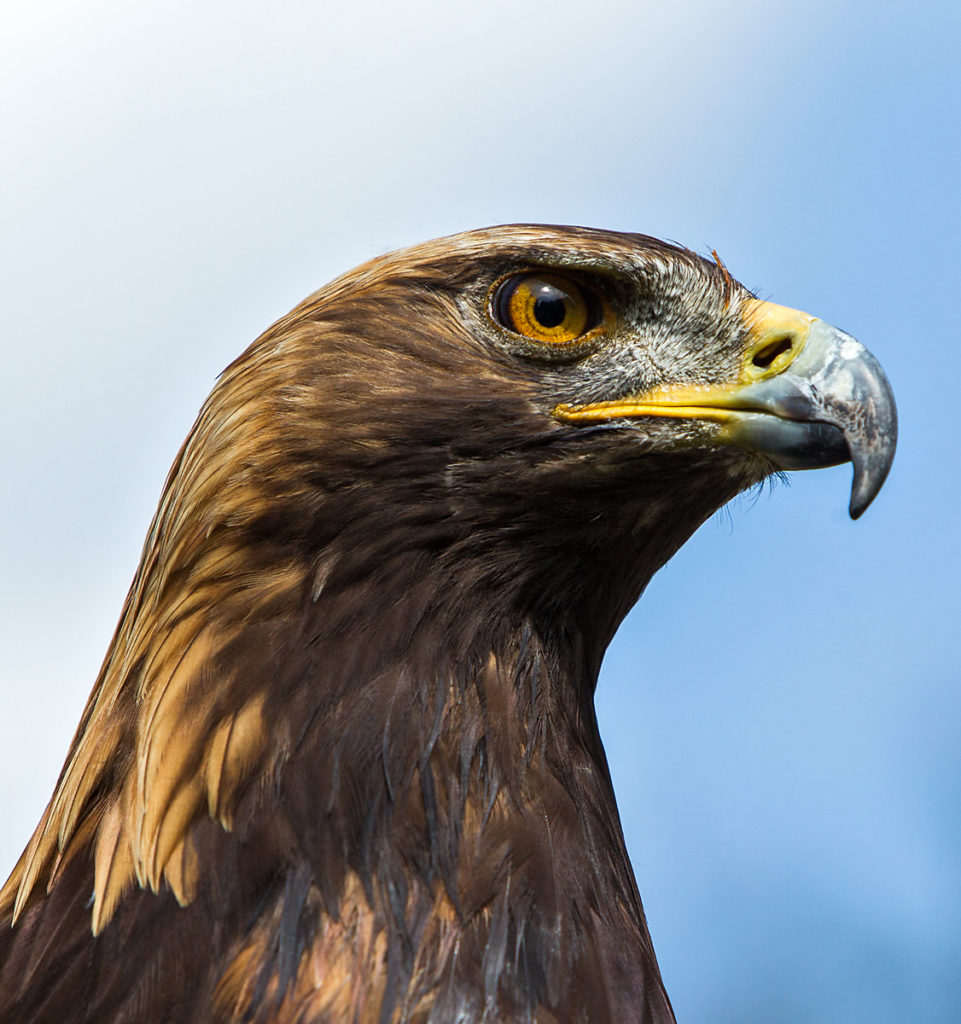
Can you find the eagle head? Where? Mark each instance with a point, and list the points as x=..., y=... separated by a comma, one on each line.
x=341, y=762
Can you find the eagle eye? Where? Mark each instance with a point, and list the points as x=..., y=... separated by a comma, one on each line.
x=546, y=308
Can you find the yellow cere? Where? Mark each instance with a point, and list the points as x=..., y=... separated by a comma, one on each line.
x=776, y=336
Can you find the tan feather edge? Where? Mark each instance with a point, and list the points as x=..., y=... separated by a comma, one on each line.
x=143, y=832
x=113, y=868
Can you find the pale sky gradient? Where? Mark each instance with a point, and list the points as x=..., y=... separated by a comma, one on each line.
x=782, y=711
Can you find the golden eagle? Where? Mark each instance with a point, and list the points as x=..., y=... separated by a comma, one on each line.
x=341, y=763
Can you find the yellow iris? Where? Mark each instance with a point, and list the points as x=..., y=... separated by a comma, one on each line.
x=543, y=307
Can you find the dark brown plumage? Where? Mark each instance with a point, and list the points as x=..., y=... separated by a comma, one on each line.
x=341, y=762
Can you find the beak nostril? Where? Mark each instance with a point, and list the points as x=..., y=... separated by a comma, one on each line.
x=769, y=352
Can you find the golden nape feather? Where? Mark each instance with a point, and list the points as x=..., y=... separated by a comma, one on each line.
x=341, y=763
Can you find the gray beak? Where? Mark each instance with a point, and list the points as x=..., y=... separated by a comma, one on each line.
x=833, y=403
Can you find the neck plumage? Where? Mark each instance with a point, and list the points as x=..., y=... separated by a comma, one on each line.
x=465, y=814
x=359, y=767
x=417, y=804
x=454, y=846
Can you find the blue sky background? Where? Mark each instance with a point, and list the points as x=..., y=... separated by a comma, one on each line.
x=782, y=711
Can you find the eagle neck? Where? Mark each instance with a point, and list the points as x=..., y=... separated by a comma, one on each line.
x=473, y=808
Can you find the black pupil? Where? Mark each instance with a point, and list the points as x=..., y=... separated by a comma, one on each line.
x=550, y=306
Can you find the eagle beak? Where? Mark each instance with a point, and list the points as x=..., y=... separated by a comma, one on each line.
x=808, y=396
